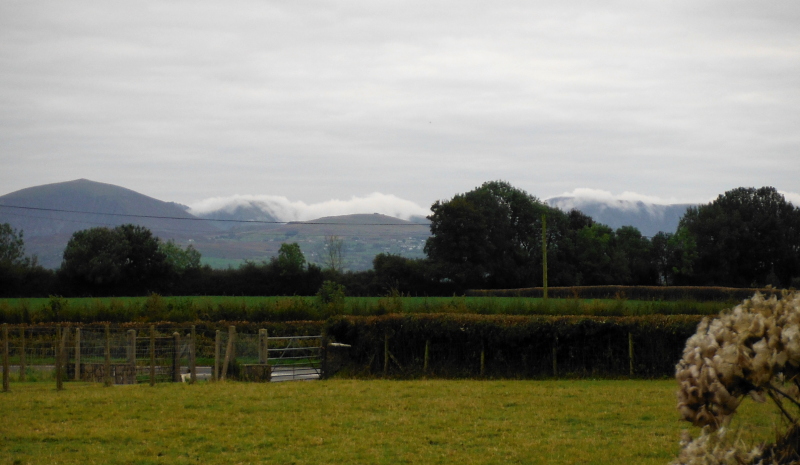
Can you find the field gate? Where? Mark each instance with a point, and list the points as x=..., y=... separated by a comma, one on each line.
x=295, y=357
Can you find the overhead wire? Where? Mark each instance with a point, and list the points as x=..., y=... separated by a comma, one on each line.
x=128, y=215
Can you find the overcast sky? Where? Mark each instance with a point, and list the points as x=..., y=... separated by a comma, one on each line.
x=413, y=100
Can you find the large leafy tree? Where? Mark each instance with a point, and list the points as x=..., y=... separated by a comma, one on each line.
x=20, y=275
x=180, y=260
x=635, y=252
x=126, y=259
x=598, y=260
x=488, y=236
x=673, y=256
x=290, y=260
x=745, y=237
x=492, y=237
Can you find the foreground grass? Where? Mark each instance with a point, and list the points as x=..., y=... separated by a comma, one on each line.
x=349, y=421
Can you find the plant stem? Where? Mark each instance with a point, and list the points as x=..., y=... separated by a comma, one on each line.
x=780, y=406
x=792, y=399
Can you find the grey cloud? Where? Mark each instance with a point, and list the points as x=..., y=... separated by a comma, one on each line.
x=321, y=100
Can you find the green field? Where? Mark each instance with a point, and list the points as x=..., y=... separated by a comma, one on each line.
x=352, y=421
x=216, y=308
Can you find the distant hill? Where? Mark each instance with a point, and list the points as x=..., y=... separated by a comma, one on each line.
x=648, y=218
x=49, y=214
x=364, y=236
x=47, y=231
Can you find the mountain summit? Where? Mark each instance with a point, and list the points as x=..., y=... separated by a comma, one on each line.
x=49, y=214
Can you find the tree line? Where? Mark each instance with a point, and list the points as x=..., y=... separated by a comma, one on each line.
x=488, y=238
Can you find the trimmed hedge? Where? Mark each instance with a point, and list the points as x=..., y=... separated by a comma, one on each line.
x=514, y=346
x=671, y=293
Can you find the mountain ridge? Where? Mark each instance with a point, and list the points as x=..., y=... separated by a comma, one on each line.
x=49, y=214
x=225, y=238
x=648, y=218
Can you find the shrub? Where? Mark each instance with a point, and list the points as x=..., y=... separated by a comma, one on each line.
x=331, y=298
x=752, y=350
x=55, y=309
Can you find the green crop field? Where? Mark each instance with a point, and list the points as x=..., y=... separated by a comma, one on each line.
x=353, y=422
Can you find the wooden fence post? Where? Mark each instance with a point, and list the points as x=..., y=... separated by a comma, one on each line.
x=59, y=360
x=77, y=354
x=217, y=344
x=176, y=357
x=107, y=380
x=555, y=356
x=193, y=356
x=5, y=357
x=483, y=358
x=385, y=354
x=262, y=346
x=64, y=353
x=152, y=355
x=427, y=351
x=22, y=365
x=132, y=351
x=630, y=353
x=229, y=351
x=266, y=347
x=323, y=351
x=232, y=342
x=544, y=255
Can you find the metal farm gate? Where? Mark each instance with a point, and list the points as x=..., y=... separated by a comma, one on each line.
x=295, y=357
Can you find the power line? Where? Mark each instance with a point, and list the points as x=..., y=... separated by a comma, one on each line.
x=65, y=220
x=210, y=219
x=272, y=234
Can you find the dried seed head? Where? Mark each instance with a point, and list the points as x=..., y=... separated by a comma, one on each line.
x=739, y=353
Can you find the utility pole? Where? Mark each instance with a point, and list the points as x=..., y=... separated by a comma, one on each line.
x=544, y=254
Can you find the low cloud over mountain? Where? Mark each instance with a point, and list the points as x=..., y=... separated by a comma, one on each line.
x=279, y=208
x=649, y=214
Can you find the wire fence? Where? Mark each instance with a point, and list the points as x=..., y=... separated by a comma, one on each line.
x=149, y=354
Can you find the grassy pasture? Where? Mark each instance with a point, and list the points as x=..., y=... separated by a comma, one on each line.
x=352, y=421
x=215, y=308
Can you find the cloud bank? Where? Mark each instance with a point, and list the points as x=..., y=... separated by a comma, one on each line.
x=793, y=197
x=283, y=209
x=319, y=100
x=630, y=201
x=585, y=193
x=583, y=198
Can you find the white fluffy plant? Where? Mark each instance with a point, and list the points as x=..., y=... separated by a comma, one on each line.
x=752, y=350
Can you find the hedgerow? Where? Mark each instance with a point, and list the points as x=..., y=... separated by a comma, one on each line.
x=513, y=346
x=261, y=309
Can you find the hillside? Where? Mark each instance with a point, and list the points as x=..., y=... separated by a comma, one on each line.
x=86, y=204
x=364, y=236
x=49, y=214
